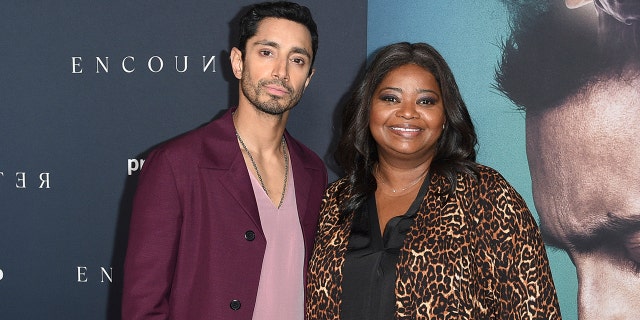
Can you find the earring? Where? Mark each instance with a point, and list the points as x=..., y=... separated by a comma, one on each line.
x=443, y=126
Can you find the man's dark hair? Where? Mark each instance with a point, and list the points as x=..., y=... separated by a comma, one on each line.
x=554, y=52
x=281, y=10
x=357, y=150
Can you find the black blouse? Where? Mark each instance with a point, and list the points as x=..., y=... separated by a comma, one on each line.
x=369, y=270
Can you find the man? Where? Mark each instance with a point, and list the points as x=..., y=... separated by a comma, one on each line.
x=224, y=217
x=582, y=102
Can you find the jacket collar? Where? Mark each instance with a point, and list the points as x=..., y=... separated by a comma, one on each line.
x=220, y=151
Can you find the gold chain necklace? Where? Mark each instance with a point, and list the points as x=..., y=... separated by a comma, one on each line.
x=379, y=177
x=255, y=166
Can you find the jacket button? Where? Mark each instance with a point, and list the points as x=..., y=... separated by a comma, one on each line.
x=235, y=304
x=250, y=235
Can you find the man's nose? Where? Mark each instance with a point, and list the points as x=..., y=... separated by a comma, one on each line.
x=606, y=291
x=281, y=69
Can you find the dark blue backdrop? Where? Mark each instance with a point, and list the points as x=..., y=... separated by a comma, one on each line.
x=88, y=87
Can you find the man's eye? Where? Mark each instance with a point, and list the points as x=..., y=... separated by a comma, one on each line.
x=265, y=52
x=632, y=243
x=299, y=61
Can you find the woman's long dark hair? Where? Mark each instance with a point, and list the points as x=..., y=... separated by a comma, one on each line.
x=357, y=152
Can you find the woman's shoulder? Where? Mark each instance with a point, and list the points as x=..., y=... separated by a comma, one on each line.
x=493, y=190
x=337, y=193
x=338, y=188
x=483, y=175
x=485, y=182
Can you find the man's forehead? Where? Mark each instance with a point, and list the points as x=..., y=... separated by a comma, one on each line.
x=278, y=30
x=604, y=112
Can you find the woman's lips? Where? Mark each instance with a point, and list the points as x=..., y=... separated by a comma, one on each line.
x=406, y=130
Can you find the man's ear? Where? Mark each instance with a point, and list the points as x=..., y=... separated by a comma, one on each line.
x=306, y=83
x=236, y=62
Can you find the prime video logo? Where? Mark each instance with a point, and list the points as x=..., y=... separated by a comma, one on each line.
x=134, y=165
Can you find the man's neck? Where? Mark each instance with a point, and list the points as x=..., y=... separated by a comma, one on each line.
x=261, y=132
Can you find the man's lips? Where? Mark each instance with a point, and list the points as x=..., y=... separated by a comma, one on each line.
x=277, y=90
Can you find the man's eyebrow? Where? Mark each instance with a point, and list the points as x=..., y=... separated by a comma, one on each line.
x=276, y=45
x=268, y=43
x=613, y=231
x=302, y=51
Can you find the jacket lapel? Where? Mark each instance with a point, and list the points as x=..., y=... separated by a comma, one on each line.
x=236, y=180
x=302, y=177
x=222, y=161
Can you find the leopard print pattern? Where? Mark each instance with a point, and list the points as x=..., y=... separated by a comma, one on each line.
x=475, y=255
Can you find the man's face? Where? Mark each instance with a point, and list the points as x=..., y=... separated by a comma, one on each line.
x=584, y=158
x=276, y=66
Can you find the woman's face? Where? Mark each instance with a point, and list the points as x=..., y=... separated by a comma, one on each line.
x=407, y=114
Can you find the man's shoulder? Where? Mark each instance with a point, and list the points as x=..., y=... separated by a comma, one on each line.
x=196, y=142
x=184, y=142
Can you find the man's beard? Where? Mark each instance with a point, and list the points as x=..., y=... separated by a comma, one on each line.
x=274, y=105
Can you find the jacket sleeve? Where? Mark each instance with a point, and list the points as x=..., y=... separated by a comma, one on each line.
x=525, y=283
x=153, y=240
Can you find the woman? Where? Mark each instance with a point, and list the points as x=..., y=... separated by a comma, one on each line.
x=416, y=229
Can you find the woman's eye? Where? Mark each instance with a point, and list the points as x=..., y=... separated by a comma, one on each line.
x=427, y=101
x=389, y=98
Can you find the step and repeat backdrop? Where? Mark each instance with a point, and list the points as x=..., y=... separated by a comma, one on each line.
x=88, y=88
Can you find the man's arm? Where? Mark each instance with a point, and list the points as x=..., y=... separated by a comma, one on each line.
x=153, y=242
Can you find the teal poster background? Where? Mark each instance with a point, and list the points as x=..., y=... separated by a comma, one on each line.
x=468, y=34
